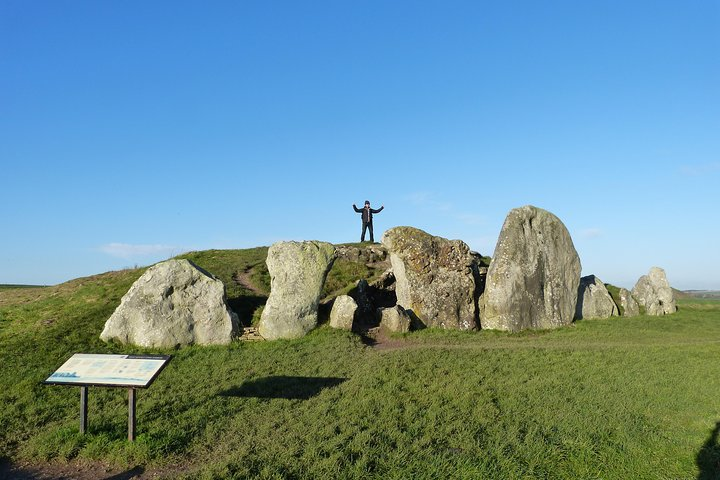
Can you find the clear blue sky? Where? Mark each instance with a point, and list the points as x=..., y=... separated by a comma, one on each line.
x=131, y=131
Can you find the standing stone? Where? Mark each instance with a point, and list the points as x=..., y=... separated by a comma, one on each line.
x=628, y=304
x=394, y=319
x=533, y=278
x=174, y=303
x=343, y=312
x=297, y=275
x=653, y=292
x=434, y=278
x=594, y=300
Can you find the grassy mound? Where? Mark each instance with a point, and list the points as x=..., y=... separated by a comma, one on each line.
x=615, y=398
x=247, y=281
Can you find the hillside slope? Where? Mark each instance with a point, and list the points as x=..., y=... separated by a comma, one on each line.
x=616, y=398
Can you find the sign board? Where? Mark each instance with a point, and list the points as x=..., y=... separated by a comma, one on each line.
x=86, y=369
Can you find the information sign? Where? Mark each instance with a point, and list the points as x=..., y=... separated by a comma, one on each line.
x=89, y=369
x=109, y=370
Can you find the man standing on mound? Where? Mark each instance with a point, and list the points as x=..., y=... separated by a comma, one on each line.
x=367, y=214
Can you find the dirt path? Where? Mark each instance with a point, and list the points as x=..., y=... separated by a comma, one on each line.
x=70, y=471
x=83, y=470
x=378, y=339
x=243, y=279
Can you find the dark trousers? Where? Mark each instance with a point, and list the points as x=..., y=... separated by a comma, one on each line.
x=367, y=226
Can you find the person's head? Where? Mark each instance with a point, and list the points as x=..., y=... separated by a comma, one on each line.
x=367, y=203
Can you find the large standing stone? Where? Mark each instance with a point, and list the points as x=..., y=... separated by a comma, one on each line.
x=173, y=303
x=653, y=292
x=343, y=312
x=594, y=300
x=628, y=304
x=534, y=275
x=297, y=275
x=434, y=278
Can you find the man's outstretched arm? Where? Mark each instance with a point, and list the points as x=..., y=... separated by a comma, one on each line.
x=358, y=210
x=379, y=209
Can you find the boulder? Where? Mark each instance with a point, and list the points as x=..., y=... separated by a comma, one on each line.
x=297, y=275
x=394, y=319
x=533, y=278
x=628, y=304
x=343, y=312
x=174, y=303
x=594, y=300
x=653, y=292
x=435, y=278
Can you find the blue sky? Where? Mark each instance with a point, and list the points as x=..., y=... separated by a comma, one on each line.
x=133, y=131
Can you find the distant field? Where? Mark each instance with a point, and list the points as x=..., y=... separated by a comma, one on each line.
x=613, y=399
x=703, y=293
x=7, y=286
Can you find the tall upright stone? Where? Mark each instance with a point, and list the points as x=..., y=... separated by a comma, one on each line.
x=297, y=275
x=174, y=303
x=533, y=278
x=435, y=278
x=628, y=304
x=594, y=300
x=653, y=292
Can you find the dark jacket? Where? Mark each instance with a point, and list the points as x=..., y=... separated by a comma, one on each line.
x=367, y=213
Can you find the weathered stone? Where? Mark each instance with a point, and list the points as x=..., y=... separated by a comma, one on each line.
x=297, y=275
x=482, y=272
x=594, y=300
x=250, y=334
x=343, y=312
x=653, y=292
x=369, y=297
x=435, y=278
x=174, y=303
x=394, y=319
x=385, y=282
x=628, y=304
x=534, y=275
x=369, y=254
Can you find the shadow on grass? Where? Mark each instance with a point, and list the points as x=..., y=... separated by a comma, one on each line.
x=127, y=475
x=708, y=458
x=289, y=388
x=4, y=467
x=8, y=471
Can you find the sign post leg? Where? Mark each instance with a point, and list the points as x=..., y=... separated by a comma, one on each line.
x=83, y=409
x=131, y=414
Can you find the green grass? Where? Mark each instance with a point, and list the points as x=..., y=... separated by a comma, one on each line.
x=615, y=295
x=228, y=264
x=344, y=274
x=343, y=277
x=612, y=399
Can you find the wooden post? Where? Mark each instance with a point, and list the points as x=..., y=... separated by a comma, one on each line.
x=83, y=409
x=131, y=414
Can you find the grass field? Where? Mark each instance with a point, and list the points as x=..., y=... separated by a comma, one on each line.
x=607, y=399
